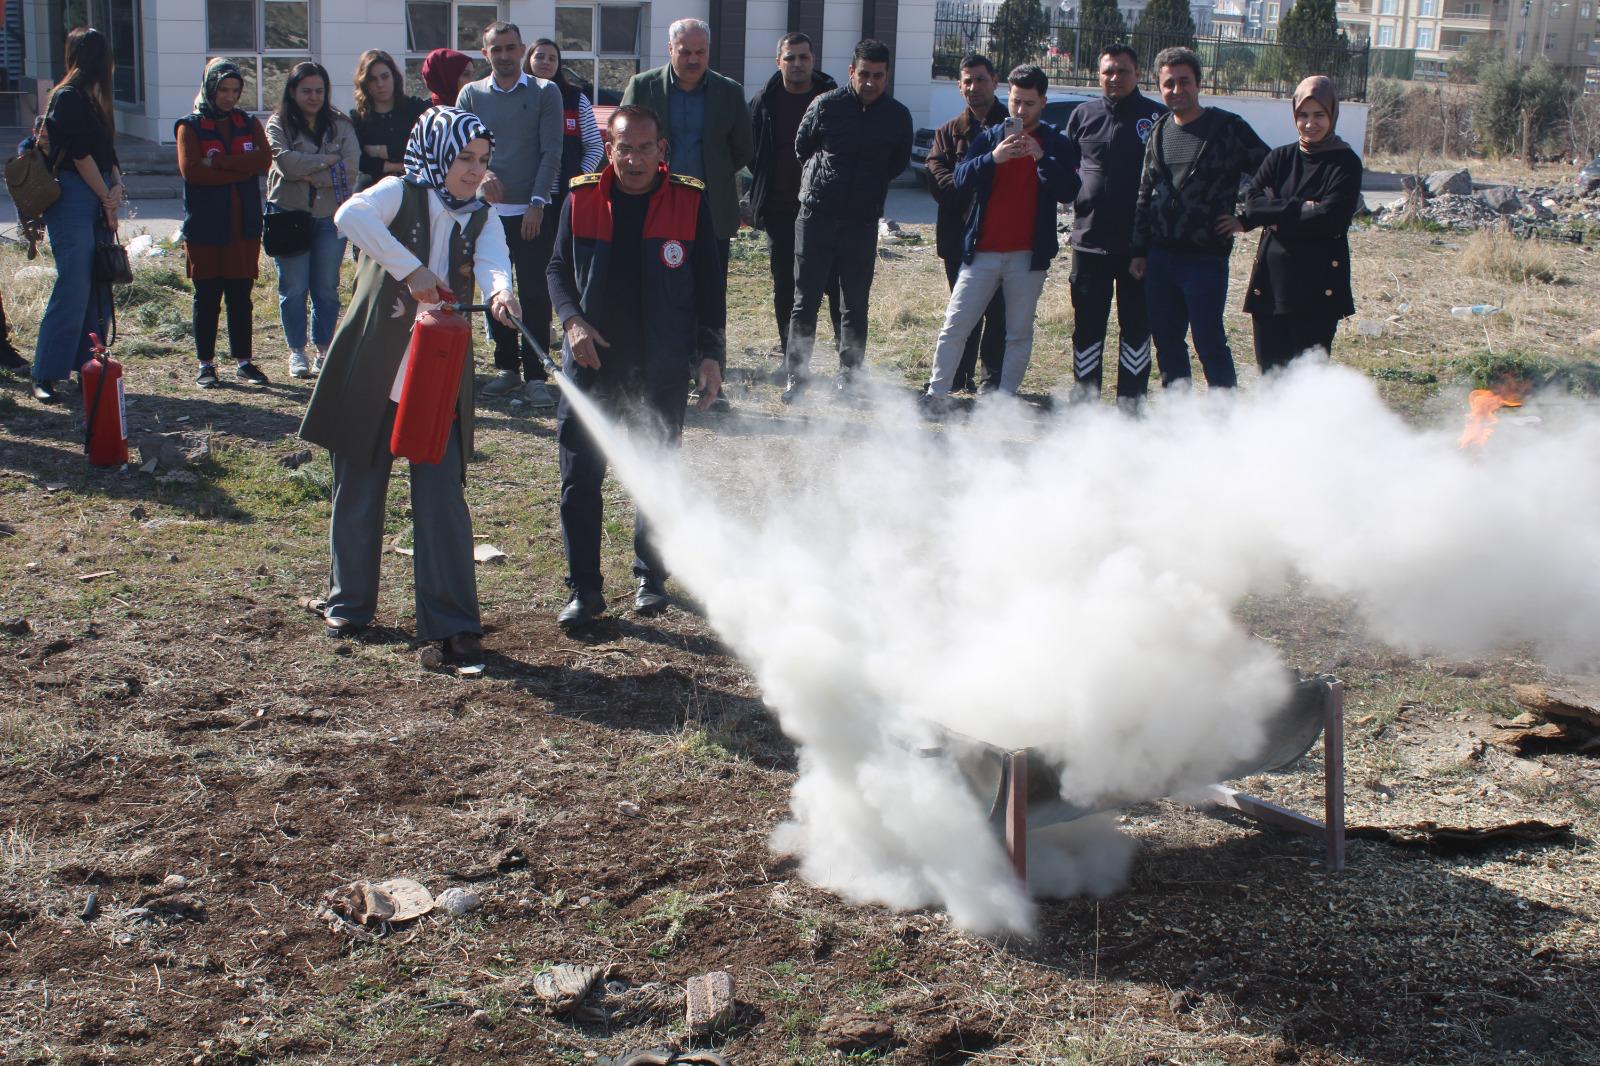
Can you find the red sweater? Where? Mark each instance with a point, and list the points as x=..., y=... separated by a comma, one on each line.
x=1013, y=203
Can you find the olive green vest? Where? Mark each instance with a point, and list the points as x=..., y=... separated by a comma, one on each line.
x=348, y=407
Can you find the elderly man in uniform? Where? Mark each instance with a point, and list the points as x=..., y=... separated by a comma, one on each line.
x=642, y=309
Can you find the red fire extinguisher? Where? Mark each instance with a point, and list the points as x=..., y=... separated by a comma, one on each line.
x=434, y=362
x=105, y=410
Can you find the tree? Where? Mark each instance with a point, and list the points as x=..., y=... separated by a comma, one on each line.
x=1312, y=41
x=1099, y=24
x=1018, y=34
x=1522, y=111
x=1164, y=24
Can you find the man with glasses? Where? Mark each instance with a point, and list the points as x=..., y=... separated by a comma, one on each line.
x=641, y=310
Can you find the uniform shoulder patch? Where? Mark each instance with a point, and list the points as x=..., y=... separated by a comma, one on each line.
x=684, y=179
x=583, y=179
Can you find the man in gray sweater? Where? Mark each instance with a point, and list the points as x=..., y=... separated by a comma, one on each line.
x=524, y=114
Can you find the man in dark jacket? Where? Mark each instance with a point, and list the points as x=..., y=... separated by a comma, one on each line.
x=1110, y=135
x=1185, y=220
x=950, y=143
x=852, y=142
x=1016, y=172
x=775, y=115
x=641, y=308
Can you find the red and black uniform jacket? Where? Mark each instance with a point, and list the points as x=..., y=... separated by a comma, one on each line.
x=682, y=298
x=208, y=209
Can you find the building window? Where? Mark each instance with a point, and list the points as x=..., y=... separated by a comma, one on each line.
x=266, y=38
x=1583, y=12
x=1385, y=36
x=1272, y=12
x=1522, y=41
x=1426, y=8
x=457, y=24
x=1549, y=42
x=602, y=45
x=1425, y=38
x=120, y=21
x=1386, y=7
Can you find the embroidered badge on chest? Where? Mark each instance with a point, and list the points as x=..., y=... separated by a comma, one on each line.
x=672, y=254
x=1144, y=126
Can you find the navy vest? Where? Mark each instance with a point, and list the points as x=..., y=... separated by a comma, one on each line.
x=208, y=209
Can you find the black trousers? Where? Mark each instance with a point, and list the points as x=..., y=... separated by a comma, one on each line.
x=780, y=250
x=208, y=296
x=987, y=342
x=654, y=413
x=528, y=262
x=1094, y=278
x=825, y=246
x=1282, y=338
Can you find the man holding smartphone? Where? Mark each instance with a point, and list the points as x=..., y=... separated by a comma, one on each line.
x=1017, y=170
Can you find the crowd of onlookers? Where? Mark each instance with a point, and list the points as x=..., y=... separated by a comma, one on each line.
x=507, y=181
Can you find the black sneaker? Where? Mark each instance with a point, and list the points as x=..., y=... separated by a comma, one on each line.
x=251, y=373
x=207, y=378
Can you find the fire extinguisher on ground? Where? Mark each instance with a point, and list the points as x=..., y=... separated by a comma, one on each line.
x=105, y=409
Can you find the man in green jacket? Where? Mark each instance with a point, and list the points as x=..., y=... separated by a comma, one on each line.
x=703, y=119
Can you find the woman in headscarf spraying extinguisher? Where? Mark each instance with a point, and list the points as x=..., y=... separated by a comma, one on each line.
x=222, y=150
x=426, y=242
x=1305, y=195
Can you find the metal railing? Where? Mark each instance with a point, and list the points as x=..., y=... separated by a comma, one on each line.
x=1068, y=53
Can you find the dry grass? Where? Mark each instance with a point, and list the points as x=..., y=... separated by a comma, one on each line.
x=1498, y=255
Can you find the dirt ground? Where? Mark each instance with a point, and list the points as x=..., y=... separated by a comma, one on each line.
x=166, y=709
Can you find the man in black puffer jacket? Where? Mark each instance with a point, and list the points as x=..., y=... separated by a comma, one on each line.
x=852, y=142
x=1110, y=135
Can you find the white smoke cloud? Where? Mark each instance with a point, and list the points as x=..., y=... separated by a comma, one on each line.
x=1070, y=585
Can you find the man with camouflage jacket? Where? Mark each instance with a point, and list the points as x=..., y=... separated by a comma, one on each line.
x=1185, y=220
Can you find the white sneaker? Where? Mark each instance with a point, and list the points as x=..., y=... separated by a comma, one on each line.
x=299, y=366
x=318, y=362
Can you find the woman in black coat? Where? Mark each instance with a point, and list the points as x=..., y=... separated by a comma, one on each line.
x=1304, y=195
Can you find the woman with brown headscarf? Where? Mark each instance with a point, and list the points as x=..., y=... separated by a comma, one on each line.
x=1303, y=196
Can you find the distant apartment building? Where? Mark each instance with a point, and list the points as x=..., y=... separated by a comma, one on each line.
x=1562, y=31
x=1248, y=20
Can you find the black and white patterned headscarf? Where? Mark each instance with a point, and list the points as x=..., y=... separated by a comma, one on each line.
x=436, y=140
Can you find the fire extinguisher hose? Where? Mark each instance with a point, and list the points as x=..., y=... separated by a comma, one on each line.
x=549, y=364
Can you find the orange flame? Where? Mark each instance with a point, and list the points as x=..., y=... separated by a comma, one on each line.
x=1481, y=418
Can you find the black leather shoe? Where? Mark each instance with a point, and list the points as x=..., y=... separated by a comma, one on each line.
x=464, y=649
x=45, y=391
x=585, y=607
x=796, y=387
x=651, y=597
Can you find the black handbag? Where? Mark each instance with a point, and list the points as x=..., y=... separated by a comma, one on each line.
x=111, y=266
x=286, y=233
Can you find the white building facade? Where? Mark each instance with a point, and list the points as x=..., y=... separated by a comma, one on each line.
x=162, y=45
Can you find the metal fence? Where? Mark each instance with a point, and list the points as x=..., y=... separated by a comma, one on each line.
x=1069, y=53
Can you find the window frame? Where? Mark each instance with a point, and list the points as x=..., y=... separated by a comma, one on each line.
x=259, y=56
x=594, y=56
x=411, y=59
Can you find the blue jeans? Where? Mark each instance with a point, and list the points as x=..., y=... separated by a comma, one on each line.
x=77, y=305
x=1186, y=291
x=316, y=273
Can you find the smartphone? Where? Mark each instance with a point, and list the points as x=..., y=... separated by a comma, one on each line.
x=1010, y=126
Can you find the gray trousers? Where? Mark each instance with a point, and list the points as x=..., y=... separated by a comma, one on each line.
x=988, y=273
x=441, y=527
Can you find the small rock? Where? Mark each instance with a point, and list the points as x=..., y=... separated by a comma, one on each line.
x=1502, y=198
x=91, y=907
x=709, y=1002
x=431, y=657
x=853, y=1033
x=174, y=883
x=17, y=627
x=458, y=901
x=173, y=451
x=480, y=1018
x=1473, y=750
x=1182, y=1001
x=295, y=460
x=564, y=985
x=138, y=514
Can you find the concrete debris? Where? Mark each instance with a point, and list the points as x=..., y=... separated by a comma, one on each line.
x=564, y=986
x=172, y=451
x=1458, y=181
x=851, y=1034
x=458, y=901
x=709, y=1002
